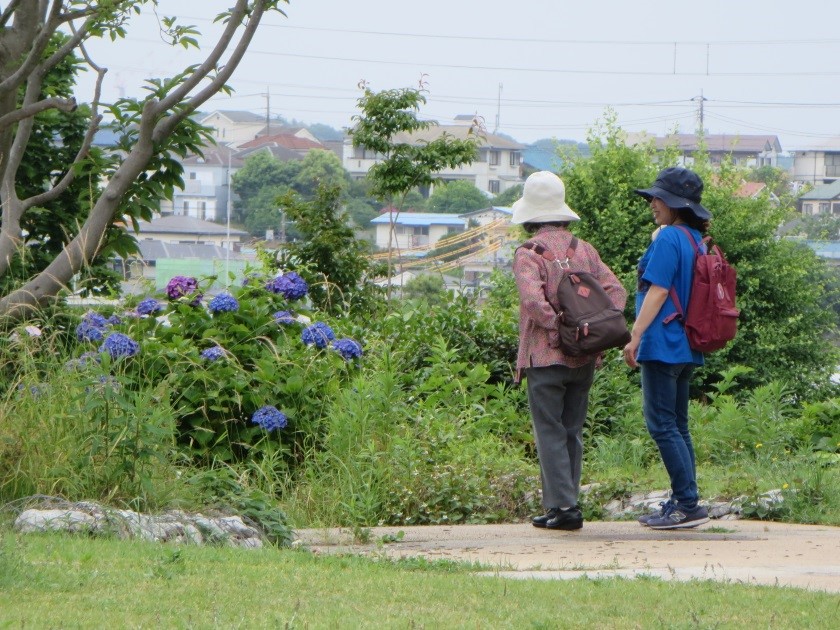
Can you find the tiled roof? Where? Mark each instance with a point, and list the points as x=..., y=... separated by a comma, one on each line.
x=721, y=142
x=285, y=140
x=179, y=224
x=460, y=132
x=823, y=192
x=155, y=250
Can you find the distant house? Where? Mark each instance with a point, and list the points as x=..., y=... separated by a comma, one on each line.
x=824, y=199
x=496, y=168
x=818, y=164
x=179, y=245
x=415, y=229
x=750, y=151
x=189, y=230
x=234, y=127
x=206, y=189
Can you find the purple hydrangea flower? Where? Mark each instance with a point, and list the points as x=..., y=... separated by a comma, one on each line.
x=120, y=345
x=114, y=320
x=181, y=286
x=213, y=354
x=223, y=303
x=347, y=348
x=284, y=317
x=290, y=285
x=149, y=306
x=269, y=418
x=318, y=333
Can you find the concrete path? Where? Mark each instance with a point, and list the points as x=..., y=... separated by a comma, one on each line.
x=804, y=556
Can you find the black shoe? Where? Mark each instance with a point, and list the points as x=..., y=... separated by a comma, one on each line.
x=568, y=519
x=540, y=521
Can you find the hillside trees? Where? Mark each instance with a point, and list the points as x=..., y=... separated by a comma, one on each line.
x=151, y=131
x=457, y=197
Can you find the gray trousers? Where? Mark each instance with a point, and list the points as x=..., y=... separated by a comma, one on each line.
x=558, y=397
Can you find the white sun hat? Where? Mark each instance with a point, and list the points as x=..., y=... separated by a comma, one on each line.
x=543, y=200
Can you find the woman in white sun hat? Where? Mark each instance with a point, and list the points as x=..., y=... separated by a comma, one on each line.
x=558, y=385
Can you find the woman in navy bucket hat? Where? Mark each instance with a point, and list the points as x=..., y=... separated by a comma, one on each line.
x=658, y=343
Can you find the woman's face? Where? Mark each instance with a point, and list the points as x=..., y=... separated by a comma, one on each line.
x=662, y=214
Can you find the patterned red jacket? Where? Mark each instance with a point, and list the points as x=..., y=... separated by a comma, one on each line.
x=536, y=279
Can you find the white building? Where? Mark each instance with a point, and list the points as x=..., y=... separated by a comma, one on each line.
x=414, y=229
x=818, y=164
x=495, y=169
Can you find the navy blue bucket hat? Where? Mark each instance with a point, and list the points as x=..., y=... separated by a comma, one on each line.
x=678, y=188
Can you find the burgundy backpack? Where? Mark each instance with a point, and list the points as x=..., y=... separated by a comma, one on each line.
x=589, y=323
x=711, y=319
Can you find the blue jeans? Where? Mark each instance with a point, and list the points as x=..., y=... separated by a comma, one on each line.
x=665, y=405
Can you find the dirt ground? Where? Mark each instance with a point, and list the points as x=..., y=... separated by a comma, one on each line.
x=802, y=556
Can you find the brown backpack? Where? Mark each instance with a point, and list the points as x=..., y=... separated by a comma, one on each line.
x=589, y=323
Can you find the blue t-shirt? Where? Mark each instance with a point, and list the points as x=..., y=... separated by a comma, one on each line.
x=668, y=261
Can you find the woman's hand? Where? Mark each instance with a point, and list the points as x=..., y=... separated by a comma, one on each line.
x=630, y=352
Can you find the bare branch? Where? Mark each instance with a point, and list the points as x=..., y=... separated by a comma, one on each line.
x=61, y=104
x=211, y=62
x=7, y=13
x=165, y=126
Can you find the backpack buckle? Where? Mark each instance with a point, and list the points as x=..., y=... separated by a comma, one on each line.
x=564, y=264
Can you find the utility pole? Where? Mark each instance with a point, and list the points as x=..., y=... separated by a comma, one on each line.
x=700, y=114
x=267, y=112
x=498, y=109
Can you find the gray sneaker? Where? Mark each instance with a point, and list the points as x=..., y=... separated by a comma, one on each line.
x=644, y=519
x=676, y=517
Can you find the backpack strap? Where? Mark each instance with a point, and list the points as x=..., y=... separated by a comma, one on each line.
x=541, y=250
x=680, y=314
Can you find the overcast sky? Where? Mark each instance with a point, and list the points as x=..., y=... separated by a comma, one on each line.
x=533, y=68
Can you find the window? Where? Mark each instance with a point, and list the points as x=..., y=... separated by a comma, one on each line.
x=835, y=208
x=493, y=158
x=186, y=207
x=193, y=175
x=421, y=231
x=825, y=208
x=832, y=164
x=514, y=158
x=493, y=186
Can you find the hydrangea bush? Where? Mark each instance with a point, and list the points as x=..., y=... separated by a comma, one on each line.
x=239, y=368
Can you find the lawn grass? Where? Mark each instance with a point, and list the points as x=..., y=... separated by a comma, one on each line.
x=49, y=581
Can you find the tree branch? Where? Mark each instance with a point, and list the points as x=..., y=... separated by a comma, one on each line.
x=36, y=47
x=166, y=125
x=32, y=109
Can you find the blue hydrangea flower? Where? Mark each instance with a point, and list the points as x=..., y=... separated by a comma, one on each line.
x=284, y=317
x=290, y=285
x=181, y=286
x=95, y=319
x=120, y=345
x=114, y=320
x=347, y=348
x=269, y=418
x=213, y=354
x=318, y=333
x=86, y=331
x=223, y=303
x=82, y=362
x=149, y=306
